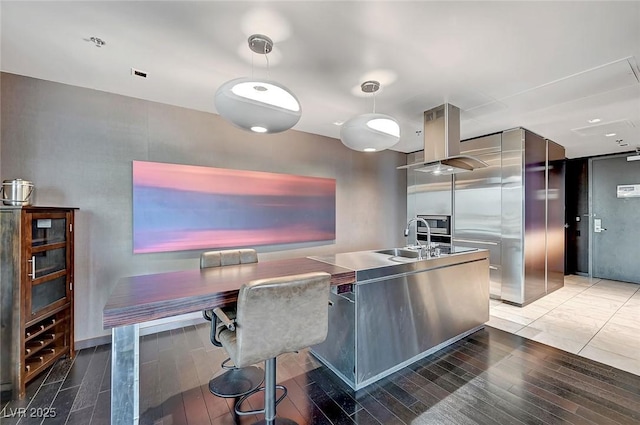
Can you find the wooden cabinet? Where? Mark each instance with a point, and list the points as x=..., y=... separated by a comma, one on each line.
x=36, y=272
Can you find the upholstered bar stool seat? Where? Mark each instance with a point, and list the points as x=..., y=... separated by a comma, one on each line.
x=234, y=382
x=276, y=316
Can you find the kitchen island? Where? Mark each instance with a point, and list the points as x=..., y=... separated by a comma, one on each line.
x=401, y=309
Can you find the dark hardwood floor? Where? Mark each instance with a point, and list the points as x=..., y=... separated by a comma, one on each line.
x=491, y=377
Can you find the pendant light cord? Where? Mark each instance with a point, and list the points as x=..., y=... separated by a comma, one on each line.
x=374, y=102
x=266, y=56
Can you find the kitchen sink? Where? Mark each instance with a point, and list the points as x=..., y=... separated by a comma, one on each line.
x=411, y=254
x=400, y=252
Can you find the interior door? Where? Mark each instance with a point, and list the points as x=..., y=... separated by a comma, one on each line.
x=614, y=227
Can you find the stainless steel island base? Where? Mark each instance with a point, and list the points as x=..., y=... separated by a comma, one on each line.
x=400, y=313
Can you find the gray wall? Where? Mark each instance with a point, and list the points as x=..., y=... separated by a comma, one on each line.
x=77, y=145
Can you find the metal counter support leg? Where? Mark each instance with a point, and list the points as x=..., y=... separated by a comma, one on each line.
x=125, y=375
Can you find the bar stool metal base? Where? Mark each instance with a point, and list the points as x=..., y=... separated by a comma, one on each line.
x=237, y=382
x=270, y=401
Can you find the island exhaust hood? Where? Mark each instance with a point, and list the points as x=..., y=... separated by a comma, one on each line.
x=442, y=144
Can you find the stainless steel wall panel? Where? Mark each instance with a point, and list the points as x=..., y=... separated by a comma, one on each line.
x=555, y=216
x=512, y=216
x=478, y=193
x=428, y=194
x=478, y=204
x=495, y=262
x=535, y=235
x=494, y=248
x=491, y=143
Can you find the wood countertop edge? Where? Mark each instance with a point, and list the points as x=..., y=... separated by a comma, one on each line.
x=114, y=316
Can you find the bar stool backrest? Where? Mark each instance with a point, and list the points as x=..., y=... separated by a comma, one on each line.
x=280, y=315
x=228, y=257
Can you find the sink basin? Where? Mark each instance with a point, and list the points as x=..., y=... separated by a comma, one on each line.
x=408, y=254
x=400, y=252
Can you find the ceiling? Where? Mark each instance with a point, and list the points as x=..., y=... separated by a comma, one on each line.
x=547, y=66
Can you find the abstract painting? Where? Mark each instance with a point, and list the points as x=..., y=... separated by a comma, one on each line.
x=185, y=207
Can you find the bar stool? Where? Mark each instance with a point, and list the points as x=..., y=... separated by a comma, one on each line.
x=276, y=316
x=235, y=382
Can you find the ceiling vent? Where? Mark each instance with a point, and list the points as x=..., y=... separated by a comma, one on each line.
x=138, y=73
x=604, y=128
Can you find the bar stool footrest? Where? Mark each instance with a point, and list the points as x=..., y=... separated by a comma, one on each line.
x=228, y=365
x=277, y=421
x=255, y=412
x=237, y=382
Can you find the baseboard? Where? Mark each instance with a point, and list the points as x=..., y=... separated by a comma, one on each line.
x=147, y=328
x=5, y=394
x=92, y=342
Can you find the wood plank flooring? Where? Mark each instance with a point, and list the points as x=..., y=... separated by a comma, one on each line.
x=491, y=377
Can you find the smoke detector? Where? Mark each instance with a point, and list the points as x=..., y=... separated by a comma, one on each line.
x=98, y=42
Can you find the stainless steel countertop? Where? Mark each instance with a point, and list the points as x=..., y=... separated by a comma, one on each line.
x=374, y=265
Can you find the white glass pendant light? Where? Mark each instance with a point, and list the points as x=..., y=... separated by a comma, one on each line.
x=370, y=132
x=261, y=106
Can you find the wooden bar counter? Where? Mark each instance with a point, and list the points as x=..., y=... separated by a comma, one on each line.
x=139, y=299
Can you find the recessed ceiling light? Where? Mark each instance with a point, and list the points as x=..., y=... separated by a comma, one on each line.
x=594, y=120
x=338, y=122
x=610, y=134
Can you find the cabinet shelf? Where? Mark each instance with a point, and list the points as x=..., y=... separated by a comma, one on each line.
x=38, y=345
x=37, y=364
x=41, y=329
x=41, y=319
x=39, y=242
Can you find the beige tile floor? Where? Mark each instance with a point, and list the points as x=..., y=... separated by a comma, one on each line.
x=594, y=318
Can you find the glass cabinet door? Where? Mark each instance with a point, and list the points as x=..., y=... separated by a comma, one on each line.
x=47, y=262
x=45, y=231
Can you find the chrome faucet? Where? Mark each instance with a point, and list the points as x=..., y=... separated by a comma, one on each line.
x=423, y=250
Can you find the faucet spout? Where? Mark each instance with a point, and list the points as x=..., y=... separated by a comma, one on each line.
x=422, y=247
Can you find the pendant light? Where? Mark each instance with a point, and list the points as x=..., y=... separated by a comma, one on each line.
x=261, y=106
x=370, y=132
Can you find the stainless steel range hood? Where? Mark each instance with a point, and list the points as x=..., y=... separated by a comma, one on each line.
x=442, y=144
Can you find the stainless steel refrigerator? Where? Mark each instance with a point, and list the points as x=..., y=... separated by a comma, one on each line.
x=477, y=206
x=515, y=208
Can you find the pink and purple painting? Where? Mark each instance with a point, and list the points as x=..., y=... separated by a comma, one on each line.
x=183, y=207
